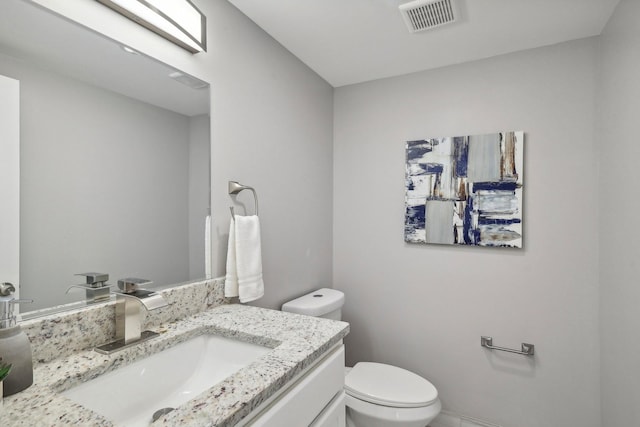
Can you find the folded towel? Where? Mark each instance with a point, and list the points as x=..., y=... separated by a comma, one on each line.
x=244, y=260
x=231, y=280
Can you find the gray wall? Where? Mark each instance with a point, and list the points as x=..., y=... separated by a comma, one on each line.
x=424, y=307
x=271, y=128
x=618, y=150
x=104, y=186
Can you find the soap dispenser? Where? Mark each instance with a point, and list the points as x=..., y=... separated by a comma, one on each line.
x=15, y=347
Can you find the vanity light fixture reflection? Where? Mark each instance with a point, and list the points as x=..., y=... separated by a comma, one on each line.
x=178, y=21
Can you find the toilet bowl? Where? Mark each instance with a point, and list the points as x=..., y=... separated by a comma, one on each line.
x=377, y=394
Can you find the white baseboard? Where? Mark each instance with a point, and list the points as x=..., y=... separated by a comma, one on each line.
x=447, y=419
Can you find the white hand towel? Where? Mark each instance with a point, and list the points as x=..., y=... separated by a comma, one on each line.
x=231, y=280
x=244, y=259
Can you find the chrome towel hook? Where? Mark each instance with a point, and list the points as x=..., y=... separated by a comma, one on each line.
x=235, y=187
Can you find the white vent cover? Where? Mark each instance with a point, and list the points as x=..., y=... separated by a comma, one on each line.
x=188, y=80
x=420, y=15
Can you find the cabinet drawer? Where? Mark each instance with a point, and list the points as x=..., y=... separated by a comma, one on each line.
x=334, y=414
x=304, y=400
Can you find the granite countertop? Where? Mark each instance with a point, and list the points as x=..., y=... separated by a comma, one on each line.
x=297, y=341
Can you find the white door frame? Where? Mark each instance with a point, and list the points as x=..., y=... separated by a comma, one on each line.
x=10, y=181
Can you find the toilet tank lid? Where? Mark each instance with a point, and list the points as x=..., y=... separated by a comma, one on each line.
x=316, y=303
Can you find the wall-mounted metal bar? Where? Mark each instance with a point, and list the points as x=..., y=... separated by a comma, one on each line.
x=527, y=349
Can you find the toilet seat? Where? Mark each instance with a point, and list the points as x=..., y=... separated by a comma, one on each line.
x=371, y=414
x=390, y=386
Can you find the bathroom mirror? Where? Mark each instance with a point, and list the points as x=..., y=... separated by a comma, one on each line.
x=114, y=159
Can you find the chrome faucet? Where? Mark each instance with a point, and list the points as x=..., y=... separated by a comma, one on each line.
x=129, y=303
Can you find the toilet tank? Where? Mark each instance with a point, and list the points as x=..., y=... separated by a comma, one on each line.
x=324, y=302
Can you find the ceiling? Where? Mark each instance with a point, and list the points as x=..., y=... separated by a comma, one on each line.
x=353, y=41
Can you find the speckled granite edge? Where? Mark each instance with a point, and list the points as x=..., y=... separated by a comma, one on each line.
x=297, y=342
x=65, y=333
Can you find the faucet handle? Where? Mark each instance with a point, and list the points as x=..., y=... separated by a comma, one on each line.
x=95, y=280
x=131, y=284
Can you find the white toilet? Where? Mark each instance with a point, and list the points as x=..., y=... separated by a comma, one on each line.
x=377, y=395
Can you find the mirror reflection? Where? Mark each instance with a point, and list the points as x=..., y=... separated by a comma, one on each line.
x=114, y=159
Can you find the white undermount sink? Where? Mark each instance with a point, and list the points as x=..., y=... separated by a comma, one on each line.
x=129, y=396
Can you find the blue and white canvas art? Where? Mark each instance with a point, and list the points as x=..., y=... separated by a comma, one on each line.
x=465, y=190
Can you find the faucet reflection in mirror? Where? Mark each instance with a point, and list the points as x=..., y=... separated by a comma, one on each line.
x=96, y=287
x=129, y=303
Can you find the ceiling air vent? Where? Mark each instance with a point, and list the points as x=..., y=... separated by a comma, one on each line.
x=420, y=15
x=188, y=80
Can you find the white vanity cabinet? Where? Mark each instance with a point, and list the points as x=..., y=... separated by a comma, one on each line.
x=333, y=415
x=315, y=398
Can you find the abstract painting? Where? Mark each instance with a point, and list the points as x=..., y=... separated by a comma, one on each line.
x=465, y=190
